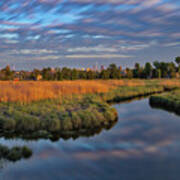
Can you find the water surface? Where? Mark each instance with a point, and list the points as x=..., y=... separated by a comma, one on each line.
x=143, y=145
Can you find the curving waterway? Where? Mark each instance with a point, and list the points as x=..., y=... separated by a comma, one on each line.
x=143, y=145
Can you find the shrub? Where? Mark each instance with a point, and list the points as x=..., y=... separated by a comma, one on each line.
x=9, y=124
x=26, y=152
x=76, y=120
x=14, y=154
x=67, y=124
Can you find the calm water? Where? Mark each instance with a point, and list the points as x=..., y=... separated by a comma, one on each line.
x=143, y=145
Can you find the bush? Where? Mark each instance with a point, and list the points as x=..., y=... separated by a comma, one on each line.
x=76, y=120
x=67, y=124
x=26, y=152
x=54, y=125
x=14, y=154
x=9, y=124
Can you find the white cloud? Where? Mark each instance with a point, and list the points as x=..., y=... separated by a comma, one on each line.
x=99, y=48
x=103, y=56
x=32, y=51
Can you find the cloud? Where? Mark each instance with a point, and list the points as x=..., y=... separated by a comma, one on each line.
x=32, y=51
x=88, y=28
x=172, y=44
x=99, y=48
x=102, y=56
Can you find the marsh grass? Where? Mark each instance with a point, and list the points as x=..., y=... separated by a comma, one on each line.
x=46, y=108
x=30, y=91
x=169, y=101
x=87, y=112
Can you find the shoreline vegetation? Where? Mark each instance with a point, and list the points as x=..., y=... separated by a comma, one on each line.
x=167, y=101
x=68, y=109
x=50, y=116
x=15, y=153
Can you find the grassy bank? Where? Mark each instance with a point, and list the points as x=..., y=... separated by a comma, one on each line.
x=127, y=93
x=70, y=114
x=15, y=153
x=29, y=91
x=67, y=108
x=169, y=101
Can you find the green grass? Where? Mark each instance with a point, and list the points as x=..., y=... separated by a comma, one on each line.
x=169, y=101
x=125, y=93
x=86, y=112
x=70, y=116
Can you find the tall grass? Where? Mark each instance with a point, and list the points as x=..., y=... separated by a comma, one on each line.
x=58, y=107
x=169, y=101
x=28, y=91
x=35, y=91
x=87, y=112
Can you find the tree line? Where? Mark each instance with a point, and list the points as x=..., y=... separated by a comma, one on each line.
x=148, y=71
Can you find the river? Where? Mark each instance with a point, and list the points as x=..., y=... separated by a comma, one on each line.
x=143, y=145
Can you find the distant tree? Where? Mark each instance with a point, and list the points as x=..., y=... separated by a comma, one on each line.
x=114, y=71
x=178, y=60
x=104, y=74
x=7, y=73
x=164, y=69
x=82, y=75
x=179, y=70
x=91, y=74
x=159, y=75
x=156, y=64
x=74, y=74
x=136, y=71
x=66, y=73
x=46, y=74
x=59, y=76
x=171, y=69
x=129, y=73
x=148, y=70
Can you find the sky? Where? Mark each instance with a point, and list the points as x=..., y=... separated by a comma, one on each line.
x=81, y=33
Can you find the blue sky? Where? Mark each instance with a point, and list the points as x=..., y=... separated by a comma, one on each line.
x=79, y=33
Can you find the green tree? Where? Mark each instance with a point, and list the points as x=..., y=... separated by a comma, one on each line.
x=74, y=74
x=129, y=73
x=156, y=64
x=171, y=69
x=159, y=73
x=136, y=70
x=114, y=72
x=104, y=74
x=178, y=60
x=148, y=70
x=7, y=73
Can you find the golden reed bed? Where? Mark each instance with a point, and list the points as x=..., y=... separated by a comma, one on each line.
x=28, y=91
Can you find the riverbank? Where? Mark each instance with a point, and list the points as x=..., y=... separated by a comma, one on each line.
x=70, y=114
x=168, y=101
